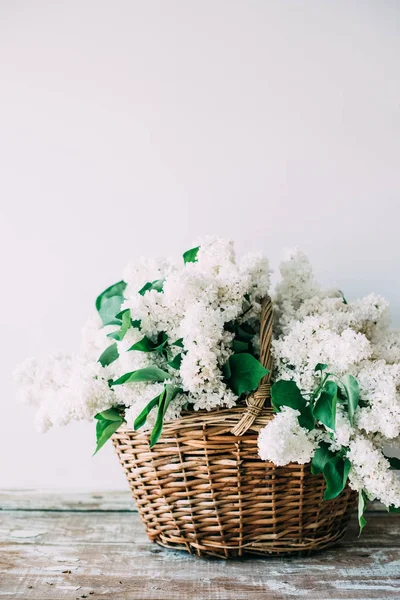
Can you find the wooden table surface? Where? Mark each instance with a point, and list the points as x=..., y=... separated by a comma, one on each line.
x=72, y=546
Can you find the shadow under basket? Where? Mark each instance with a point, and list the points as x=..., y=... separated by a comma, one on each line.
x=203, y=489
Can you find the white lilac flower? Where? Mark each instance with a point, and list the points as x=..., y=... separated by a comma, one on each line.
x=380, y=389
x=310, y=342
x=318, y=326
x=370, y=470
x=283, y=440
x=64, y=388
x=386, y=346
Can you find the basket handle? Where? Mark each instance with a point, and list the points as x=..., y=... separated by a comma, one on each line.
x=255, y=401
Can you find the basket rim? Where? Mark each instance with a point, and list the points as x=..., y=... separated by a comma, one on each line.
x=198, y=419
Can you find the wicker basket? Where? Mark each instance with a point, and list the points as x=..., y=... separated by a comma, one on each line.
x=203, y=488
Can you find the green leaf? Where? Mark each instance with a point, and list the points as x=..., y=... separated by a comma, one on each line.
x=362, y=504
x=393, y=509
x=191, y=255
x=320, y=458
x=343, y=298
x=109, y=355
x=394, y=462
x=146, y=345
x=111, y=414
x=176, y=362
x=178, y=343
x=245, y=332
x=108, y=303
x=320, y=367
x=143, y=345
x=286, y=393
x=325, y=407
x=168, y=394
x=104, y=430
x=352, y=389
x=147, y=374
x=244, y=373
x=125, y=325
x=336, y=472
x=226, y=370
x=108, y=422
x=137, y=324
x=306, y=418
x=156, y=285
x=239, y=346
x=141, y=419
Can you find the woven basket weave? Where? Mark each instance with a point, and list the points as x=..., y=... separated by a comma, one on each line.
x=204, y=489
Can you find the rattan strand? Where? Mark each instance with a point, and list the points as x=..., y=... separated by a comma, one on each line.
x=259, y=398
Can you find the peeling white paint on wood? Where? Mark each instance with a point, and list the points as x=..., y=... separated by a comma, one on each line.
x=101, y=554
x=25, y=533
x=66, y=501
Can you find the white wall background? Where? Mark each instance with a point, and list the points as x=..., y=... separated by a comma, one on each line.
x=131, y=127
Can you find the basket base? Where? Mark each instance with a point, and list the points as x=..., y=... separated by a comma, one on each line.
x=298, y=549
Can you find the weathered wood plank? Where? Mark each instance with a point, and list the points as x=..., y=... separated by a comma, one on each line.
x=69, y=501
x=69, y=555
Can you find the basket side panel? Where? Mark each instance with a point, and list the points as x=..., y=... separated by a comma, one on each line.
x=206, y=491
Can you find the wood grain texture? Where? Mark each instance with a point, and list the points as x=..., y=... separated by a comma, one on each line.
x=53, y=555
x=69, y=501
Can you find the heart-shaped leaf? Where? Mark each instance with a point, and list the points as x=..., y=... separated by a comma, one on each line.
x=336, y=472
x=320, y=458
x=325, y=406
x=108, y=303
x=239, y=346
x=286, y=393
x=306, y=418
x=243, y=373
x=109, y=355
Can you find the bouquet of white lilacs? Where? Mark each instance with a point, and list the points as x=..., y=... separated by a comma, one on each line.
x=177, y=335
x=171, y=335
x=337, y=387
